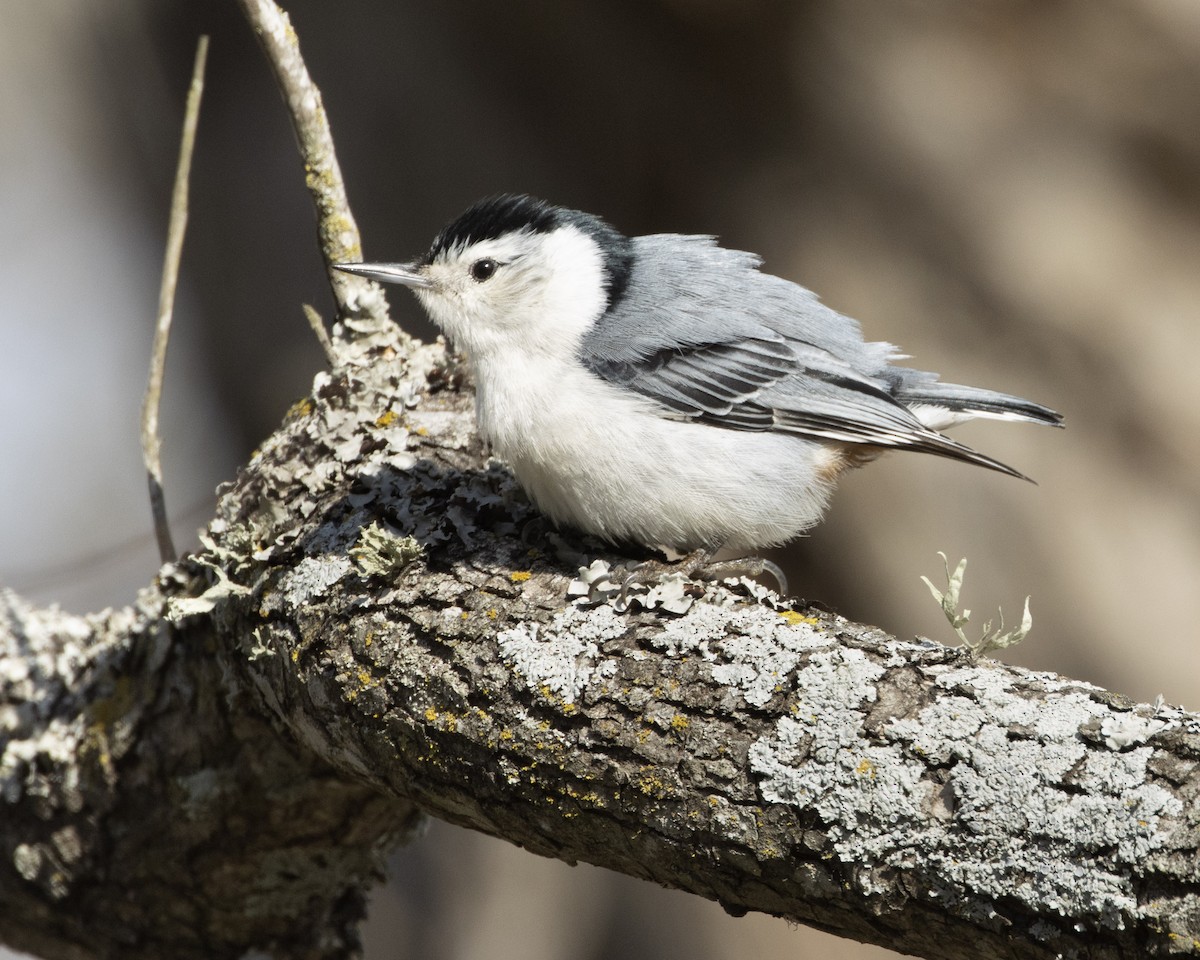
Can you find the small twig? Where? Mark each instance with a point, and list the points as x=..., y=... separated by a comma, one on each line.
x=336, y=229
x=151, y=443
x=318, y=327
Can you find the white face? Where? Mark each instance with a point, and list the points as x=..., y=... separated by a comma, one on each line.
x=533, y=292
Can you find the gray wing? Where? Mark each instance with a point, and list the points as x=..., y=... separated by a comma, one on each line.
x=704, y=334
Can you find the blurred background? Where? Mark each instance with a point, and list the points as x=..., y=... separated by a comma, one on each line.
x=1008, y=189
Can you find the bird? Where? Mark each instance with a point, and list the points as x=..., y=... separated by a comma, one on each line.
x=662, y=389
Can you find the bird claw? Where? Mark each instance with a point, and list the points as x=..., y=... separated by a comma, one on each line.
x=747, y=567
x=699, y=565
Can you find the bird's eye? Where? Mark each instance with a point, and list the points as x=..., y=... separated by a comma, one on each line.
x=482, y=269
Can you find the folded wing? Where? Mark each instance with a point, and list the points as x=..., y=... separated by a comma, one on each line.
x=742, y=350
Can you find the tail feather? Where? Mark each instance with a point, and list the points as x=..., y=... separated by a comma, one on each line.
x=943, y=446
x=943, y=404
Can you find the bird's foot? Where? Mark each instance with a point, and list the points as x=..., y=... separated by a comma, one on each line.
x=646, y=573
x=746, y=567
x=699, y=565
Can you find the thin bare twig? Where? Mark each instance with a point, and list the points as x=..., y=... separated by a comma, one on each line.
x=336, y=229
x=318, y=327
x=151, y=444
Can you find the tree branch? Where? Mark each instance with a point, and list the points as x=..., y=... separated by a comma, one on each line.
x=364, y=635
x=151, y=446
x=221, y=767
x=337, y=232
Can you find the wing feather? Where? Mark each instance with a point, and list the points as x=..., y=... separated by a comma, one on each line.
x=743, y=350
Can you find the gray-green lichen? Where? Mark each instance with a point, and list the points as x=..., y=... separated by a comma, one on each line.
x=67, y=714
x=983, y=786
x=312, y=577
x=752, y=649
x=1037, y=815
x=382, y=553
x=563, y=656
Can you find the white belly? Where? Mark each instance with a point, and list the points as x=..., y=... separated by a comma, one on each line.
x=598, y=458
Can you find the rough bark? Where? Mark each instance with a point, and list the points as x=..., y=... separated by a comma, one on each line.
x=367, y=636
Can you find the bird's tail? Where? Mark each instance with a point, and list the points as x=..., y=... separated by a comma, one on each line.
x=939, y=405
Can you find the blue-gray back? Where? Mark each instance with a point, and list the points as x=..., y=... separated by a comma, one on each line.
x=699, y=330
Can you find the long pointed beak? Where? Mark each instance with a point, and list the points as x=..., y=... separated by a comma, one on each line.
x=405, y=273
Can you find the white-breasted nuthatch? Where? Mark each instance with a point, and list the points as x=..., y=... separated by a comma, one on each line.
x=661, y=389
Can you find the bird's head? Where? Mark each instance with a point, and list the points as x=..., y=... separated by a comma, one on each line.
x=515, y=272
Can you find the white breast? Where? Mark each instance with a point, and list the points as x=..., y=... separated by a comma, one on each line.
x=599, y=458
